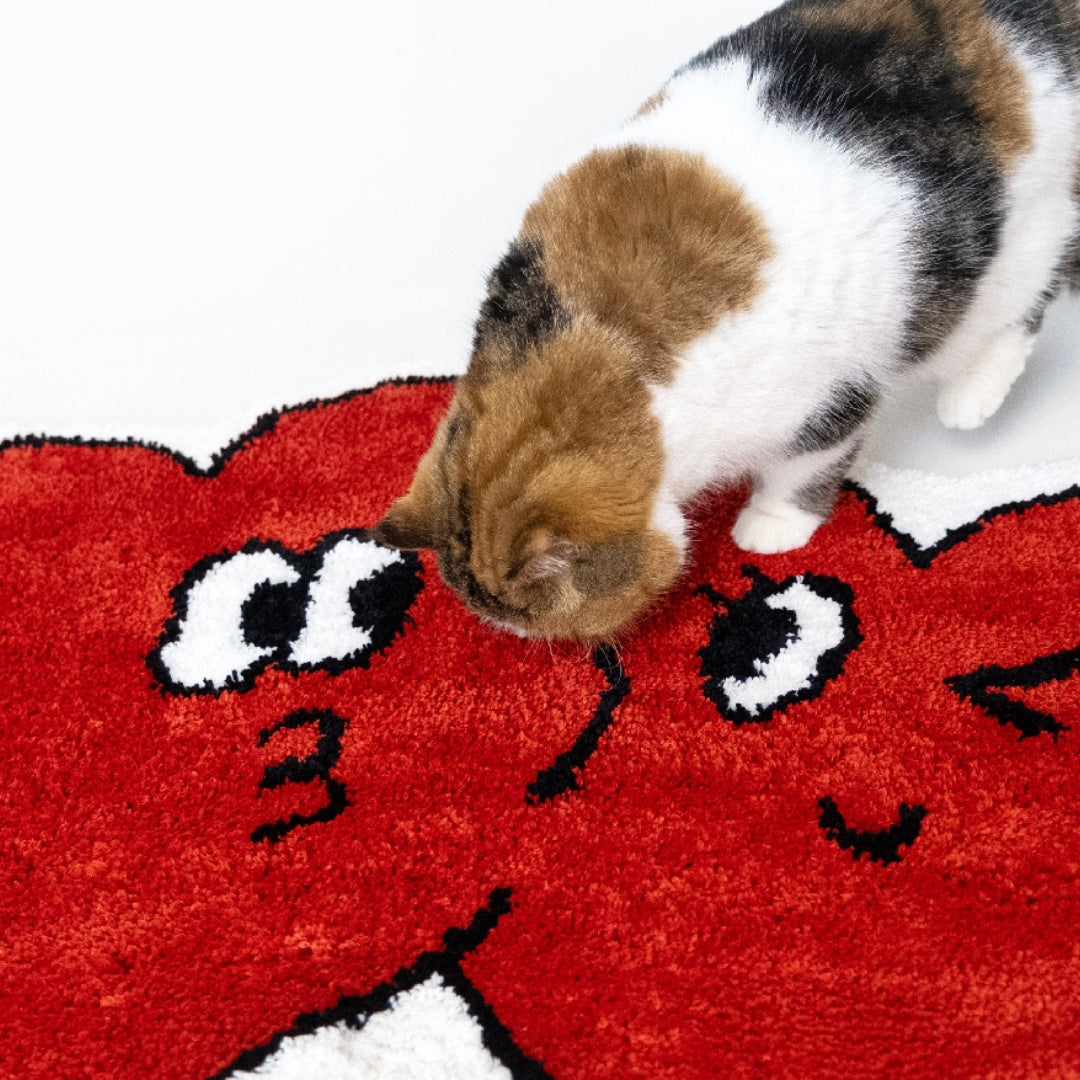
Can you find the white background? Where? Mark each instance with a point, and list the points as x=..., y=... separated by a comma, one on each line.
x=212, y=209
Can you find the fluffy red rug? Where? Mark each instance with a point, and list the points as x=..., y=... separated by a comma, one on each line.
x=274, y=804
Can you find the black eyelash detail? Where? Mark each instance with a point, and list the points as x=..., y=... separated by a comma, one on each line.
x=983, y=688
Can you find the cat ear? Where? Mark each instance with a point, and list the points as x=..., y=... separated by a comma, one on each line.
x=406, y=526
x=546, y=556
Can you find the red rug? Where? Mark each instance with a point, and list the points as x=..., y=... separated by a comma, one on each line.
x=274, y=804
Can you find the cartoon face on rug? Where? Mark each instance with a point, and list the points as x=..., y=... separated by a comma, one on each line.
x=244, y=694
x=260, y=766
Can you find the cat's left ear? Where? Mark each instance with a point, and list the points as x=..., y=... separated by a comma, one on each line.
x=545, y=556
x=406, y=526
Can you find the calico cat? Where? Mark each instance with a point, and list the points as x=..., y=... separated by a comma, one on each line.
x=837, y=195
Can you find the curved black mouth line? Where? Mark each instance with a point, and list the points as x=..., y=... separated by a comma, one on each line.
x=561, y=776
x=882, y=845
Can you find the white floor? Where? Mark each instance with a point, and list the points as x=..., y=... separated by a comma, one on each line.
x=212, y=209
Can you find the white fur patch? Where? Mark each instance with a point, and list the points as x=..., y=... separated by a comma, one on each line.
x=840, y=279
x=836, y=295
x=769, y=527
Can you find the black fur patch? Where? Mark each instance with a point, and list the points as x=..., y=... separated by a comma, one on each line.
x=818, y=496
x=848, y=408
x=522, y=309
x=454, y=566
x=1068, y=271
x=906, y=104
x=1047, y=25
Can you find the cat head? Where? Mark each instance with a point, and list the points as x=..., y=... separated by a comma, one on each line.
x=537, y=493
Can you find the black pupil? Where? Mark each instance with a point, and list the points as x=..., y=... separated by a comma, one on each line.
x=749, y=631
x=273, y=615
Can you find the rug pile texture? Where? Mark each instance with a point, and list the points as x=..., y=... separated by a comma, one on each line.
x=273, y=804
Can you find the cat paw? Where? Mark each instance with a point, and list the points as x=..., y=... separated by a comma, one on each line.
x=967, y=402
x=768, y=528
x=966, y=407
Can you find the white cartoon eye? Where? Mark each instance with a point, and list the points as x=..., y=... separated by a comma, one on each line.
x=332, y=608
x=340, y=622
x=209, y=647
x=778, y=644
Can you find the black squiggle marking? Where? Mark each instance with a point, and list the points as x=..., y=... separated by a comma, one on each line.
x=522, y=308
x=562, y=775
x=315, y=768
x=882, y=845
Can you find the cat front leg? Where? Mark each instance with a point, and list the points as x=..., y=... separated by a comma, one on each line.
x=966, y=400
x=768, y=526
x=791, y=498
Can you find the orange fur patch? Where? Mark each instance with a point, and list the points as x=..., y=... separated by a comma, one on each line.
x=565, y=450
x=562, y=458
x=1000, y=91
x=997, y=89
x=652, y=242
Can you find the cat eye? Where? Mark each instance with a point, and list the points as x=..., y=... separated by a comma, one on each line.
x=778, y=644
x=330, y=609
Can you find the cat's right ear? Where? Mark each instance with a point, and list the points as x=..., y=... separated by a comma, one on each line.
x=407, y=526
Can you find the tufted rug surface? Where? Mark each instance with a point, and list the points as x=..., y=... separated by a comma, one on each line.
x=273, y=804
